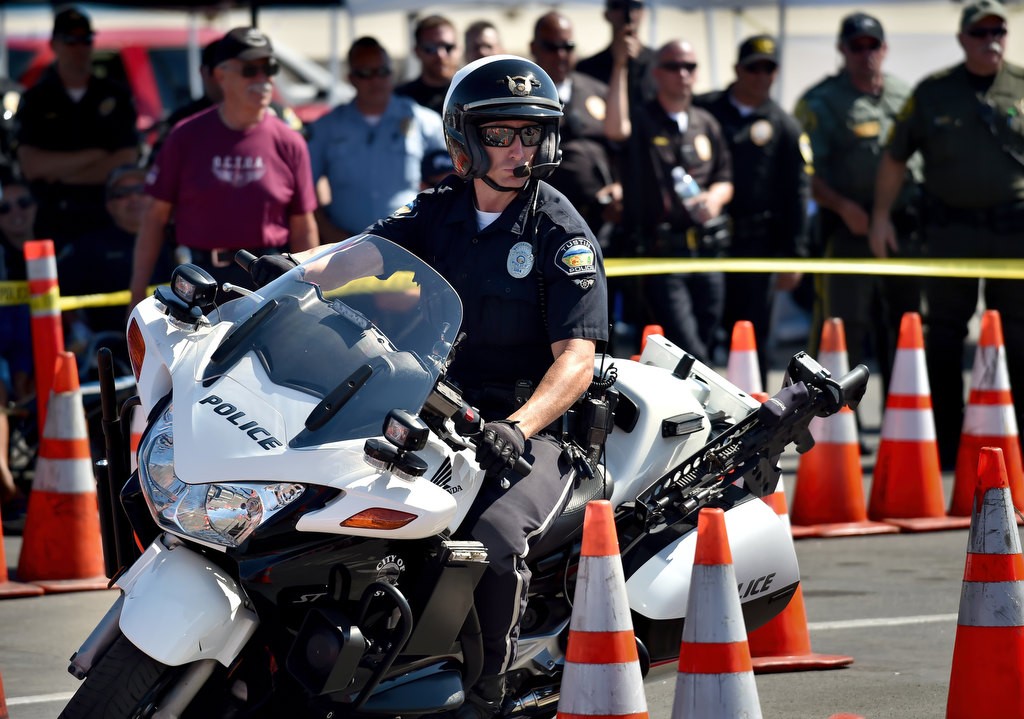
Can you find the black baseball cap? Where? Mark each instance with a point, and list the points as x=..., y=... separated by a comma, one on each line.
x=436, y=162
x=975, y=11
x=208, y=58
x=72, y=23
x=860, y=24
x=243, y=43
x=757, y=48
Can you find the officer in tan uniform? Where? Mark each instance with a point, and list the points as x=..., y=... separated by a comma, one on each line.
x=968, y=123
x=846, y=117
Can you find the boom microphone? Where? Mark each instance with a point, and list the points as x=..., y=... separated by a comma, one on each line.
x=526, y=170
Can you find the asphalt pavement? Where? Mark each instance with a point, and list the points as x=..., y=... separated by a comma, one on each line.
x=889, y=602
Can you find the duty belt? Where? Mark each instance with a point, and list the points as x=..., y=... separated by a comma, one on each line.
x=219, y=256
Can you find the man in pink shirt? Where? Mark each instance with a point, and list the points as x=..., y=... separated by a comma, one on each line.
x=232, y=177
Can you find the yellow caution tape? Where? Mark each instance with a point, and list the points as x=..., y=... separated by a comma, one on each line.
x=995, y=269
x=16, y=293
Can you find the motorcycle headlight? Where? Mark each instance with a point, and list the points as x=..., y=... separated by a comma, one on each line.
x=223, y=513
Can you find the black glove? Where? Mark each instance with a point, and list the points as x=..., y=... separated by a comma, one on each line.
x=500, y=445
x=268, y=268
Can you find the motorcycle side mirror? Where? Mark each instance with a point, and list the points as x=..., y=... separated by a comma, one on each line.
x=191, y=295
x=405, y=430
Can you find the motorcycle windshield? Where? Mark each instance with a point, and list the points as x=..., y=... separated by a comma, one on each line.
x=364, y=327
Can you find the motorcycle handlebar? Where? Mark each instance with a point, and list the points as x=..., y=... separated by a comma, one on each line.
x=244, y=259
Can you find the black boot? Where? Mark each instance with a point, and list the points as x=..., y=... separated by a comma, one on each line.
x=484, y=700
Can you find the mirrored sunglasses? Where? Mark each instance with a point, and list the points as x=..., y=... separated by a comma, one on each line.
x=500, y=136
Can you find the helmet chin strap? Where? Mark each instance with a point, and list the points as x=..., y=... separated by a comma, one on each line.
x=501, y=188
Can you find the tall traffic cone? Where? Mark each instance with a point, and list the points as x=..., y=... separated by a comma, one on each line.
x=989, y=419
x=907, y=487
x=9, y=589
x=784, y=643
x=602, y=667
x=829, y=497
x=988, y=653
x=648, y=331
x=61, y=549
x=715, y=678
x=742, y=367
x=4, y=714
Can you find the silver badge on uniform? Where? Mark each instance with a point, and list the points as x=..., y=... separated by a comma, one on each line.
x=520, y=260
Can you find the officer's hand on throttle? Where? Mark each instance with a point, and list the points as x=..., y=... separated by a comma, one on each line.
x=268, y=268
x=501, y=443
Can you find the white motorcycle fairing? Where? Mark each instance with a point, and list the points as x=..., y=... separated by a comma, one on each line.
x=763, y=559
x=179, y=607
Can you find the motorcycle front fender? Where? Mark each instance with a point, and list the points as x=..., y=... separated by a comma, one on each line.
x=180, y=608
x=764, y=563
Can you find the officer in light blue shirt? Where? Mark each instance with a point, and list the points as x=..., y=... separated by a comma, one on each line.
x=371, y=149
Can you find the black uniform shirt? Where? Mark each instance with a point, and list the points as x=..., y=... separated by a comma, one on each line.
x=424, y=94
x=658, y=146
x=103, y=118
x=501, y=283
x=769, y=171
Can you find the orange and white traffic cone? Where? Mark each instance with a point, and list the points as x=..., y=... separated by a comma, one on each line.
x=602, y=675
x=988, y=653
x=829, y=497
x=907, y=487
x=8, y=588
x=4, y=714
x=648, y=331
x=989, y=419
x=742, y=368
x=784, y=643
x=716, y=677
x=61, y=549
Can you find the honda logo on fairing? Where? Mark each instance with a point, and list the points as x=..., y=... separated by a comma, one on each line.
x=233, y=415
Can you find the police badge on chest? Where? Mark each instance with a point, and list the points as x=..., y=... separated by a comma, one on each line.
x=520, y=260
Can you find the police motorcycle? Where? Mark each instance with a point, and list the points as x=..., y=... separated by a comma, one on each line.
x=304, y=472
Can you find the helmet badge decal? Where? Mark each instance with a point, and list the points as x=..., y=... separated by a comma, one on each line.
x=521, y=85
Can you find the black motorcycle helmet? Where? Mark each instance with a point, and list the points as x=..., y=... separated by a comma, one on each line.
x=500, y=87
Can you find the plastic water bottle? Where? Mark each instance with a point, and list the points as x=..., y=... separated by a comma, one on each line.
x=685, y=186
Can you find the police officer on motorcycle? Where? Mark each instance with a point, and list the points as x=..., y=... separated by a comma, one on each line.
x=531, y=278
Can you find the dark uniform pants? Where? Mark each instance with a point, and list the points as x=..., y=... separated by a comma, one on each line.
x=509, y=521
x=951, y=302
x=750, y=296
x=689, y=309
x=870, y=306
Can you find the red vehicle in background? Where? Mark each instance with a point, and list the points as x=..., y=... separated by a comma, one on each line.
x=154, y=64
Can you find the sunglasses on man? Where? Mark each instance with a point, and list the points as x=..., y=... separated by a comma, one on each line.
x=568, y=46
x=984, y=33
x=250, y=70
x=120, y=193
x=22, y=203
x=434, y=48
x=500, y=136
x=677, y=66
x=75, y=39
x=365, y=73
x=859, y=48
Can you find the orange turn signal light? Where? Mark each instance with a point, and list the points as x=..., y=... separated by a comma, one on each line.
x=378, y=518
x=136, y=347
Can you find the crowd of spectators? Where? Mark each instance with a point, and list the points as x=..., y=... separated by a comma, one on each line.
x=654, y=170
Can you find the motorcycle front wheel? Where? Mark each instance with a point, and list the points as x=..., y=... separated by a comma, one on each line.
x=124, y=683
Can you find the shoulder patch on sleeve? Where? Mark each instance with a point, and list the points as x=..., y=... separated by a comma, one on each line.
x=576, y=257
x=406, y=209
